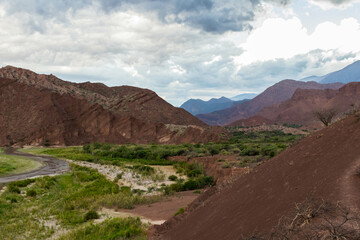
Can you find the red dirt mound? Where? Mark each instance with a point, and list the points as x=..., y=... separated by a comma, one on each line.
x=35, y=116
x=322, y=165
x=275, y=94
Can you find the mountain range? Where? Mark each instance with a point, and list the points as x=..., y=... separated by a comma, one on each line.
x=300, y=108
x=275, y=94
x=37, y=108
x=198, y=106
x=350, y=73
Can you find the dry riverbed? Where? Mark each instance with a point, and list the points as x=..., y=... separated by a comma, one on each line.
x=130, y=178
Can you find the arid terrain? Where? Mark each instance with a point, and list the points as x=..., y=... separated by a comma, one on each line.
x=56, y=112
x=124, y=156
x=323, y=166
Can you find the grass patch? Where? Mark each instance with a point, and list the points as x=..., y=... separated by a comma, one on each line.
x=116, y=228
x=65, y=199
x=10, y=164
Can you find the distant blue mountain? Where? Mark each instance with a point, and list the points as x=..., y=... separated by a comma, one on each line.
x=312, y=78
x=243, y=96
x=198, y=106
x=351, y=73
x=348, y=74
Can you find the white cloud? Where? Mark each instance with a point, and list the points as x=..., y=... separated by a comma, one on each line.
x=278, y=38
x=179, y=54
x=329, y=4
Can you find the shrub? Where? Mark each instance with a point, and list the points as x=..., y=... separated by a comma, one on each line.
x=180, y=211
x=253, y=151
x=173, y=178
x=31, y=193
x=269, y=151
x=167, y=191
x=22, y=183
x=176, y=187
x=13, y=188
x=190, y=185
x=90, y=215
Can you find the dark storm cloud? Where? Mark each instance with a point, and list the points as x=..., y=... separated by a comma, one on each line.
x=215, y=16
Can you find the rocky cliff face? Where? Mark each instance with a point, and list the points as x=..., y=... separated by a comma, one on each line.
x=38, y=109
x=273, y=95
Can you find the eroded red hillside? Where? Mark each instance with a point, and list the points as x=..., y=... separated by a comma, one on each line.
x=128, y=101
x=323, y=166
x=30, y=114
x=275, y=94
x=302, y=105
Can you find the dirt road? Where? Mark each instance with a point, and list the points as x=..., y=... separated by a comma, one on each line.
x=51, y=166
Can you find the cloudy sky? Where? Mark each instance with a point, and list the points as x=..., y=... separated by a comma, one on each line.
x=181, y=48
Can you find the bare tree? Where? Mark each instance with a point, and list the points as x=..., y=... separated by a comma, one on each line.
x=325, y=115
x=315, y=219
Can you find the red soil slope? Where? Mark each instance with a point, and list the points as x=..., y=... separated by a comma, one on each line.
x=275, y=94
x=299, y=109
x=32, y=115
x=323, y=165
x=252, y=121
x=128, y=101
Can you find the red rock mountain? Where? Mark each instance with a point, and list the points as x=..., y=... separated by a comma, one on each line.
x=275, y=94
x=321, y=166
x=128, y=101
x=37, y=108
x=300, y=107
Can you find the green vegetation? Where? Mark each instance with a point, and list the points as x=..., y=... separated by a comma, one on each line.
x=37, y=208
x=180, y=211
x=90, y=215
x=173, y=178
x=126, y=228
x=292, y=125
x=1, y=150
x=10, y=164
x=266, y=143
x=29, y=207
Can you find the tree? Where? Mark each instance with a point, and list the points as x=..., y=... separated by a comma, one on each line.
x=325, y=115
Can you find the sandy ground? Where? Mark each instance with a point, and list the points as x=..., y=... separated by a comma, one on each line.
x=155, y=213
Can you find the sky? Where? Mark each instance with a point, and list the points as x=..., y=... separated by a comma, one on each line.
x=181, y=49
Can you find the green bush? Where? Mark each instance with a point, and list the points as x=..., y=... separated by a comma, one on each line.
x=176, y=187
x=251, y=151
x=13, y=188
x=190, y=185
x=270, y=151
x=180, y=211
x=22, y=183
x=31, y=193
x=173, y=178
x=90, y=215
x=45, y=182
